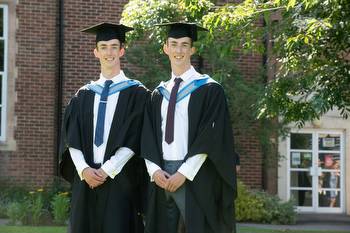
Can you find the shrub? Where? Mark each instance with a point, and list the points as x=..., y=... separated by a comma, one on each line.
x=248, y=208
x=17, y=212
x=36, y=206
x=28, y=210
x=262, y=207
x=9, y=195
x=60, y=208
x=3, y=208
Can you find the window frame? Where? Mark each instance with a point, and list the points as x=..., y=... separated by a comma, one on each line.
x=9, y=95
x=4, y=73
x=315, y=152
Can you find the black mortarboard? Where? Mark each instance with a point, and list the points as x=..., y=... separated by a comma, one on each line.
x=108, y=31
x=182, y=29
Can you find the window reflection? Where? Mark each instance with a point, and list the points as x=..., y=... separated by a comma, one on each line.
x=300, y=159
x=329, y=186
x=2, y=52
x=329, y=161
x=301, y=141
x=329, y=142
x=302, y=197
x=330, y=198
x=1, y=22
x=301, y=179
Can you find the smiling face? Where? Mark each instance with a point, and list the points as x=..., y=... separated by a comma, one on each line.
x=179, y=51
x=109, y=53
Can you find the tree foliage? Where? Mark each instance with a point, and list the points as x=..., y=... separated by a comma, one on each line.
x=312, y=46
x=218, y=49
x=146, y=41
x=310, y=42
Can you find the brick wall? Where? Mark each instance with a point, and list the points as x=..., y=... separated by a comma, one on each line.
x=80, y=64
x=33, y=161
x=250, y=149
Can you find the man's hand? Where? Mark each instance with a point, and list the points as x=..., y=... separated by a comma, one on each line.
x=175, y=181
x=102, y=173
x=161, y=178
x=92, y=177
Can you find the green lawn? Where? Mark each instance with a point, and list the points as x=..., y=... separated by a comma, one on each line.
x=20, y=229
x=243, y=229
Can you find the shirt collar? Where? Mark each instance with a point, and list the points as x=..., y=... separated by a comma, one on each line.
x=185, y=76
x=116, y=79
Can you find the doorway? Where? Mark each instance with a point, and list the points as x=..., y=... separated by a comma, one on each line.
x=315, y=170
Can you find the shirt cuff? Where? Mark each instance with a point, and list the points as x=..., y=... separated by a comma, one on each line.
x=151, y=168
x=192, y=165
x=78, y=160
x=115, y=164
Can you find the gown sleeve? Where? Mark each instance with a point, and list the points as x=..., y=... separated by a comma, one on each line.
x=215, y=136
x=70, y=137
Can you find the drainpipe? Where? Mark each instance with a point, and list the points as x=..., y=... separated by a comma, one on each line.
x=265, y=80
x=269, y=171
x=59, y=81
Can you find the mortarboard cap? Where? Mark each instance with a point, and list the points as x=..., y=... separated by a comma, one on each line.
x=108, y=31
x=183, y=29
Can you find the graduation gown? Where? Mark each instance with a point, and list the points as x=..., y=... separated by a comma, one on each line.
x=210, y=196
x=89, y=214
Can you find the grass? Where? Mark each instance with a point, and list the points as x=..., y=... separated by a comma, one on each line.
x=242, y=229
x=30, y=229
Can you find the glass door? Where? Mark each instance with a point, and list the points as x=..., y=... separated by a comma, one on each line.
x=315, y=171
x=300, y=166
x=329, y=172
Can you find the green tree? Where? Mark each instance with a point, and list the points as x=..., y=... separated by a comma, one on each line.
x=311, y=45
x=218, y=49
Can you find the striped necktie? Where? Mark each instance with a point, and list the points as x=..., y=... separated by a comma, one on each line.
x=100, y=124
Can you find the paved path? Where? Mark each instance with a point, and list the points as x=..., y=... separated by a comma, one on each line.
x=311, y=226
x=3, y=221
x=330, y=222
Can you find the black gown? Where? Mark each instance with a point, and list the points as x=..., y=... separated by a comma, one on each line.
x=210, y=196
x=120, y=201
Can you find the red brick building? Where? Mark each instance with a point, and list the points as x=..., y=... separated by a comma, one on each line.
x=44, y=59
x=41, y=77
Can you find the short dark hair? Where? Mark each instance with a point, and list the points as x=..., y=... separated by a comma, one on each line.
x=121, y=45
x=167, y=39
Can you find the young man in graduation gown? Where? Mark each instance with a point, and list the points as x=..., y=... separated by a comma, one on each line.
x=100, y=143
x=187, y=144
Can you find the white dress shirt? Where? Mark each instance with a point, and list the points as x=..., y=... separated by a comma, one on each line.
x=177, y=150
x=116, y=163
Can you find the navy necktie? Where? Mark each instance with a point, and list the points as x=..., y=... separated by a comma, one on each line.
x=100, y=124
x=169, y=128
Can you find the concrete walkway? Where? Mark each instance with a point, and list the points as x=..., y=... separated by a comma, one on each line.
x=325, y=222
x=3, y=221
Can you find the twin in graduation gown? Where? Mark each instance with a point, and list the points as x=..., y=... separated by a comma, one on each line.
x=120, y=203
x=210, y=196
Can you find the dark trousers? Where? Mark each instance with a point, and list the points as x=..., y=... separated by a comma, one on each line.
x=175, y=201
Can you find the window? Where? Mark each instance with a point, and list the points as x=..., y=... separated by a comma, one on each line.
x=316, y=170
x=3, y=69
